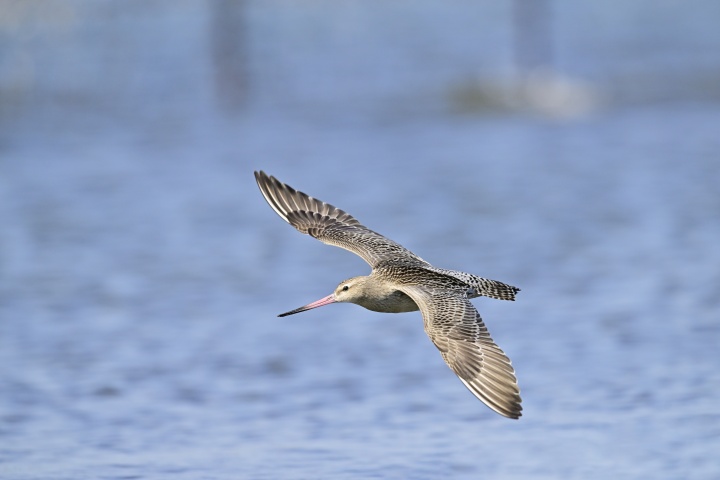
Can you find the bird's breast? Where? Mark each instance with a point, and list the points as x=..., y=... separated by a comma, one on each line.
x=394, y=301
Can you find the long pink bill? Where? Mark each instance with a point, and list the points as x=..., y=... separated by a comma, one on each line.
x=323, y=301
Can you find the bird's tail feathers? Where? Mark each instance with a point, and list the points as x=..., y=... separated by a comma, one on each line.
x=482, y=286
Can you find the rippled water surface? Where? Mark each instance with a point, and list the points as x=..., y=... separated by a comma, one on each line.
x=141, y=271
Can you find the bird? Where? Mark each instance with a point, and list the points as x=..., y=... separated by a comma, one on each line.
x=401, y=281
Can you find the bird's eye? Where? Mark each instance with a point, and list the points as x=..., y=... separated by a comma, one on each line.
x=345, y=288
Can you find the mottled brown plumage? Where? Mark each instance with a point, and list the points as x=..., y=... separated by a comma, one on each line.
x=401, y=281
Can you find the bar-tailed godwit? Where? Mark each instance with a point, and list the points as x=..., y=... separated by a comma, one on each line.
x=401, y=281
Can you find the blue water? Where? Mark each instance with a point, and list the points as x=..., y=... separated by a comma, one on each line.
x=141, y=271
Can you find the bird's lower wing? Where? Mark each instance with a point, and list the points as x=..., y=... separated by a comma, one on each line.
x=456, y=329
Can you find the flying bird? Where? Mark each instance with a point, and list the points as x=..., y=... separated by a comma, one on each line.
x=401, y=281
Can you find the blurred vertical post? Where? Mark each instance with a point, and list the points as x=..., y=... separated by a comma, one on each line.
x=532, y=35
x=227, y=32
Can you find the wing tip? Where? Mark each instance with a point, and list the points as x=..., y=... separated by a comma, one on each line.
x=286, y=200
x=269, y=184
x=507, y=407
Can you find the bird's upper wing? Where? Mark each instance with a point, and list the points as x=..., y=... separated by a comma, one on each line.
x=329, y=224
x=456, y=329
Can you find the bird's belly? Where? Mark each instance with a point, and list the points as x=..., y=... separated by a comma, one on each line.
x=395, y=302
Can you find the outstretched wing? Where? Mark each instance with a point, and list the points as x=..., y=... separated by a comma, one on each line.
x=456, y=329
x=329, y=224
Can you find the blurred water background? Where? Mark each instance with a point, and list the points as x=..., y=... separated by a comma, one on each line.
x=569, y=148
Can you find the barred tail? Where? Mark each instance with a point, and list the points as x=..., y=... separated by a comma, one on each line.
x=494, y=289
x=482, y=286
